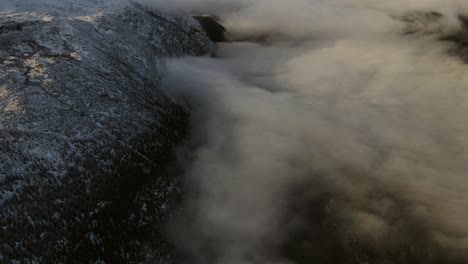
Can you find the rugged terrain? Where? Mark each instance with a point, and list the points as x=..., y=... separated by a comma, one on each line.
x=85, y=132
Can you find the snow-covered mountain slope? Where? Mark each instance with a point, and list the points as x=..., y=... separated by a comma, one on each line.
x=83, y=126
x=59, y=6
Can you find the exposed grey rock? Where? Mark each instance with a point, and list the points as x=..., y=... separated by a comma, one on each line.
x=436, y=24
x=212, y=27
x=84, y=130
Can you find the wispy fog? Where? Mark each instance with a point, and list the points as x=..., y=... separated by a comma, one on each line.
x=337, y=138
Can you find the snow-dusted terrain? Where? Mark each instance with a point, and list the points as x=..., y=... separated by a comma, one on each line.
x=324, y=131
x=83, y=126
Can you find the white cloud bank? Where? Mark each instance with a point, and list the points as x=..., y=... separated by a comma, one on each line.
x=338, y=115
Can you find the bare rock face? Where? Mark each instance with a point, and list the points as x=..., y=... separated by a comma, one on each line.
x=85, y=133
x=213, y=27
x=437, y=25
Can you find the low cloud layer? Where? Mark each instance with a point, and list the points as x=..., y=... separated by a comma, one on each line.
x=339, y=137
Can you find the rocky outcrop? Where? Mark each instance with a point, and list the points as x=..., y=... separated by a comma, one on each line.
x=85, y=133
x=212, y=26
x=438, y=25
